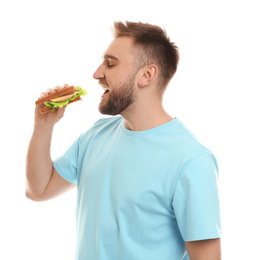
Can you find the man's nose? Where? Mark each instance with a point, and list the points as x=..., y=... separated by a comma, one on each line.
x=99, y=73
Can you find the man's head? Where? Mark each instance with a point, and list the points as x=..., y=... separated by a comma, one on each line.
x=151, y=46
x=117, y=76
x=140, y=55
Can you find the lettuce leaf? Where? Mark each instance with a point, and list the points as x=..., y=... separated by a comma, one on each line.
x=54, y=105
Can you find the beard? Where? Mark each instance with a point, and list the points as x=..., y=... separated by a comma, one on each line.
x=119, y=100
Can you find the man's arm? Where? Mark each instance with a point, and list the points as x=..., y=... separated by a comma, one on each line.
x=209, y=249
x=42, y=181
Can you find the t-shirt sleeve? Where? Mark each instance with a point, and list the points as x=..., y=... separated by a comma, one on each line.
x=196, y=199
x=66, y=164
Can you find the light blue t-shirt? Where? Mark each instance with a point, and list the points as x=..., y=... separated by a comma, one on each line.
x=140, y=195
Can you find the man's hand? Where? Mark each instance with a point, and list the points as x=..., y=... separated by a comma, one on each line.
x=50, y=118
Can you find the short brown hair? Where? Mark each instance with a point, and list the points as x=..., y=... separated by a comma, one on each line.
x=154, y=46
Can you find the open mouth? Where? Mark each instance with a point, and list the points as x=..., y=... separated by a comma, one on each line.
x=105, y=92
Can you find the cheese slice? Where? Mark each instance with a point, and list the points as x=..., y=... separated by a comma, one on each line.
x=63, y=98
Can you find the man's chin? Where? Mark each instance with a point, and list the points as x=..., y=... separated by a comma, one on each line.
x=106, y=110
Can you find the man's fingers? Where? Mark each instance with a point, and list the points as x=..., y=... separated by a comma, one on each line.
x=60, y=112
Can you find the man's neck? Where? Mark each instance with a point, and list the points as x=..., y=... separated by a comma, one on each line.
x=145, y=117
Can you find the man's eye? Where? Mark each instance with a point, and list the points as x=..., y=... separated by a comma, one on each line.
x=110, y=65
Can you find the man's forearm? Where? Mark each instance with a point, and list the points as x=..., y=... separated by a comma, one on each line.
x=39, y=162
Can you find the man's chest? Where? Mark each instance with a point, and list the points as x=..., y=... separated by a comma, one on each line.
x=128, y=174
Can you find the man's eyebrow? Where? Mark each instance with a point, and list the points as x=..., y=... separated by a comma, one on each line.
x=107, y=57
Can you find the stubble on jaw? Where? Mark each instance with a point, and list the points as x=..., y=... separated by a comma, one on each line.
x=121, y=99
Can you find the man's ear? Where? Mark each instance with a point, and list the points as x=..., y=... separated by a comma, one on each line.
x=148, y=75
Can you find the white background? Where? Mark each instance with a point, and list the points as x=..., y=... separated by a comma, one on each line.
x=48, y=43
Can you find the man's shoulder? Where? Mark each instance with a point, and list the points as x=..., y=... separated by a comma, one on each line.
x=187, y=143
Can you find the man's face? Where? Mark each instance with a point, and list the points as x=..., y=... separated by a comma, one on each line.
x=117, y=76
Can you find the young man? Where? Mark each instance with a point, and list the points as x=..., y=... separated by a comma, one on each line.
x=146, y=188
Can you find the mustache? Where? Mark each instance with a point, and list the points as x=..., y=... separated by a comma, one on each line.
x=103, y=82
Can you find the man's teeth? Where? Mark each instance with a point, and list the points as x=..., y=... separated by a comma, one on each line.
x=106, y=90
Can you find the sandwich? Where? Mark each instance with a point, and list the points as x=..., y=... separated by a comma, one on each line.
x=59, y=97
